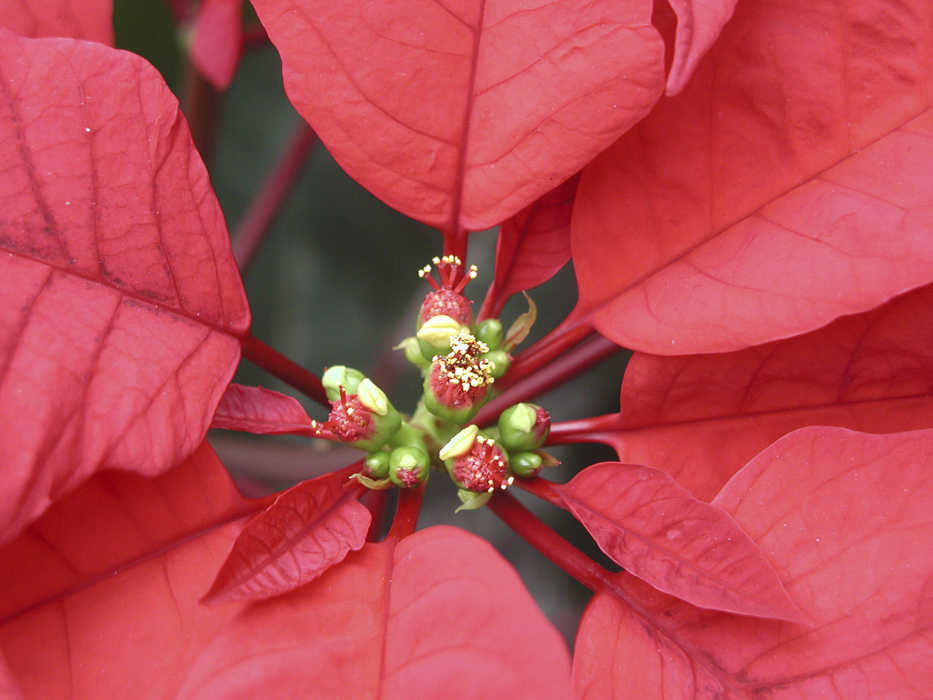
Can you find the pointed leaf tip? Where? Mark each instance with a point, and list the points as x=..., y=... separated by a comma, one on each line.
x=657, y=531
x=305, y=531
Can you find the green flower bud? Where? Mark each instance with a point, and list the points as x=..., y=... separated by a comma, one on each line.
x=352, y=422
x=524, y=426
x=412, y=349
x=340, y=376
x=499, y=362
x=525, y=464
x=471, y=500
x=408, y=466
x=490, y=332
x=376, y=465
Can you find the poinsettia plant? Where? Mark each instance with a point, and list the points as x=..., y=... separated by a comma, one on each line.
x=744, y=189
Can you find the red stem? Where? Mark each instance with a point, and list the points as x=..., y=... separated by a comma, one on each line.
x=456, y=244
x=555, y=343
x=548, y=542
x=255, y=37
x=276, y=364
x=543, y=489
x=578, y=360
x=406, y=513
x=265, y=207
x=585, y=429
x=201, y=105
x=376, y=502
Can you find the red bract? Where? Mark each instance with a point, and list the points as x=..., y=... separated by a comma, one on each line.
x=765, y=233
x=439, y=614
x=462, y=116
x=121, y=300
x=81, y=19
x=680, y=545
x=305, y=531
x=254, y=409
x=119, y=615
x=787, y=185
x=106, y=600
x=846, y=517
x=702, y=417
x=532, y=246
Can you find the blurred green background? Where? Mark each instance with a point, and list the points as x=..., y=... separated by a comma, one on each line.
x=336, y=283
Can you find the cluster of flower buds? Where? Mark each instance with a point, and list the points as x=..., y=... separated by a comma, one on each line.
x=460, y=361
x=404, y=462
x=480, y=463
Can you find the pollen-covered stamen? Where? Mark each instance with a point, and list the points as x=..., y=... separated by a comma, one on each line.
x=461, y=377
x=471, y=275
x=446, y=299
x=483, y=468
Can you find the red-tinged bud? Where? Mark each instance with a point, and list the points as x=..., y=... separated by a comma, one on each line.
x=447, y=298
x=459, y=381
x=359, y=421
x=481, y=467
x=408, y=466
x=446, y=302
x=524, y=426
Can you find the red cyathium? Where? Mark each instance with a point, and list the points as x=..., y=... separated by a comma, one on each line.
x=761, y=237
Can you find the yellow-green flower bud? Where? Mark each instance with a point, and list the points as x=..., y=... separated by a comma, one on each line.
x=525, y=464
x=435, y=335
x=499, y=362
x=340, y=376
x=376, y=465
x=490, y=332
x=408, y=466
x=524, y=426
x=412, y=349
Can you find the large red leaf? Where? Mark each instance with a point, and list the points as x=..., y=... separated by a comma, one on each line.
x=119, y=296
x=657, y=531
x=255, y=409
x=80, y=19
x=462, y=115
x=848, y=520
x=769, y=197
x=124, y=620
x=439, y=614
x=303, y=533
x=701, y=417
x=99, y=596
x=218, y=35
x=532, y=246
